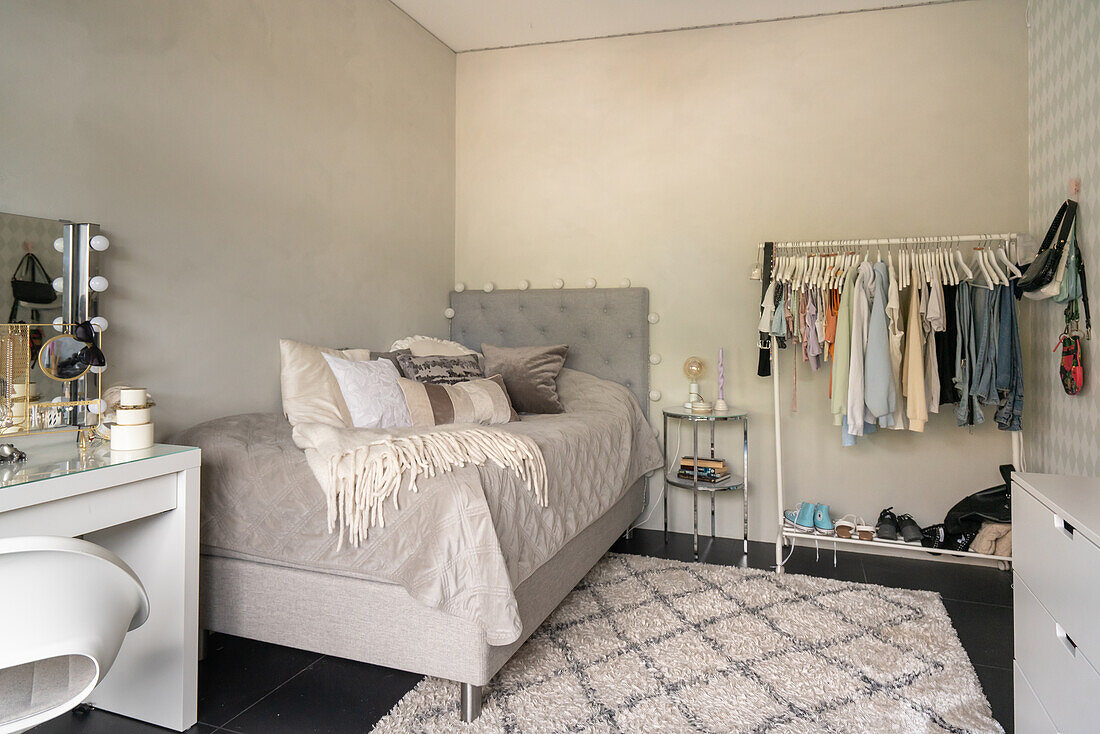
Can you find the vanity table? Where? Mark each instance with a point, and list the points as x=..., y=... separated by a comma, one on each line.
x=143, y=506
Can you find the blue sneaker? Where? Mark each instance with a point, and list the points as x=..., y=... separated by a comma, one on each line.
x=801, y=518
x=823, y=524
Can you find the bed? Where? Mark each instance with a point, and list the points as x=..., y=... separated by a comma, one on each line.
x=271, y=571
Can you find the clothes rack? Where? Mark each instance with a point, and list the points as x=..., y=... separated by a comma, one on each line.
x=772, y=250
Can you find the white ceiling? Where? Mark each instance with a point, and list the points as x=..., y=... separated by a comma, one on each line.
x=468, y=25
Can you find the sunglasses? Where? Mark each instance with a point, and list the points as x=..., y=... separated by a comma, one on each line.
x=90, y=355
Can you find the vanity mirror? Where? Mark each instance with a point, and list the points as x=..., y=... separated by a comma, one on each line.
x=51, y=343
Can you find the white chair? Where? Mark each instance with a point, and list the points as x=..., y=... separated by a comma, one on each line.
x=65, y=607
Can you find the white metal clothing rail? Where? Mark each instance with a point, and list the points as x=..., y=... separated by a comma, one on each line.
x=898, y=241
x=794, y=247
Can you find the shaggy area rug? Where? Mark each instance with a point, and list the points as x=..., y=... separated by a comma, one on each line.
x=651, y=645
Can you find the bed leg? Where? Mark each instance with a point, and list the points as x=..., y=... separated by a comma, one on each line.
x=471, y=702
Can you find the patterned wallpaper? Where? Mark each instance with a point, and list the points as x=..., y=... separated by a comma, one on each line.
x=1062, y=433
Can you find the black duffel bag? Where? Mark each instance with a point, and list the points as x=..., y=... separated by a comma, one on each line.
x=989, y=505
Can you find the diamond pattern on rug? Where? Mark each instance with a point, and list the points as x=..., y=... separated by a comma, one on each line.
x=648, y=644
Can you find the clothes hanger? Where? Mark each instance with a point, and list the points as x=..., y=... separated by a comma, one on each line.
x=991, y=263
x=948, y=266
x=981, y=269
x=1002, y=251
x=901, y=265
x=962, y=264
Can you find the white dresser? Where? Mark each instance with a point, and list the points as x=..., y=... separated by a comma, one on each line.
x=1056, y=600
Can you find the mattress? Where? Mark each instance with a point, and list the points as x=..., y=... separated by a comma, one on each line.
x=261, y=502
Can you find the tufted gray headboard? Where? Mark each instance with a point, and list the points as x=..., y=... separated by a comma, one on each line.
x=607, y=329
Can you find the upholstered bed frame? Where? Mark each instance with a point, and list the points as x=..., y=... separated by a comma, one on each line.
x=607, y=329
x=377, y=621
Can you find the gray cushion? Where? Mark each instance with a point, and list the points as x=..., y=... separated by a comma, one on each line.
x=530, y=374
x=441, y=370
x=391, y=356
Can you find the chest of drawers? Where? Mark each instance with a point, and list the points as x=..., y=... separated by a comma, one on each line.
x=1056, y=603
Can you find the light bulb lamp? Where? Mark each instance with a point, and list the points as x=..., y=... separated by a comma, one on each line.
x=694, y=368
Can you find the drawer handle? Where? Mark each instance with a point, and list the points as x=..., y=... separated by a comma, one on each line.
x=1065, y=527
x=1066, y=639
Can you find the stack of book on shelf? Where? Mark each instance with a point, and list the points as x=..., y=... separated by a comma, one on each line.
x=711, y=471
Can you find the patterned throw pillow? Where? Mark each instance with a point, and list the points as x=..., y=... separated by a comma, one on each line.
x=483, y=401
x=441, y=370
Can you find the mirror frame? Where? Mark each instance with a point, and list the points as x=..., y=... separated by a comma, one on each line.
x=42, y=350
x=79, y=303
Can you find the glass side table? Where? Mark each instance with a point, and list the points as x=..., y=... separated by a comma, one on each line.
x=679, y=414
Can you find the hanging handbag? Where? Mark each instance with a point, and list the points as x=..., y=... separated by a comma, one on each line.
x=1045, y=266
x=1072, y=368
x=30, y=283
x=1054, y=287
x=1070, y=287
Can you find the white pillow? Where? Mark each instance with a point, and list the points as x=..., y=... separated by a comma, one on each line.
x=371, y=392
x=429, y=346
x=310, y=391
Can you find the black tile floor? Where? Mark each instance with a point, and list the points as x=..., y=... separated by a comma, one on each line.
x=252, y=687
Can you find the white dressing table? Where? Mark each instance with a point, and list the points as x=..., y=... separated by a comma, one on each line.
x=143, y=506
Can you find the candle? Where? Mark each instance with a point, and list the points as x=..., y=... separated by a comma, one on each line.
x=721, y=374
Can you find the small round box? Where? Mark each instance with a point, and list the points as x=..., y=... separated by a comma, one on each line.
x=125, y=416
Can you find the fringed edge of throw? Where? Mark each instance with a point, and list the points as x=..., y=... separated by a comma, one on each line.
x=362, y=479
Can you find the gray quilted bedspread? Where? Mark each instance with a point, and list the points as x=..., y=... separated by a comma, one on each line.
x=260, y=501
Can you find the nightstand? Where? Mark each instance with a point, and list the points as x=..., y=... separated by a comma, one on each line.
x=734, y=482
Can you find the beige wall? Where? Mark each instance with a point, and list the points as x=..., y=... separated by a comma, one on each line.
x=263, y=168
x=666, y=158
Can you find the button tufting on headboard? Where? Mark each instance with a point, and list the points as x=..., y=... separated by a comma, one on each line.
x=606, y=329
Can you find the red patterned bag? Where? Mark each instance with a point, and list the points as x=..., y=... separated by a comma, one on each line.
x=1072, y=369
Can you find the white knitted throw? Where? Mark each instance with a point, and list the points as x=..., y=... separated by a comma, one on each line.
x=363, y=478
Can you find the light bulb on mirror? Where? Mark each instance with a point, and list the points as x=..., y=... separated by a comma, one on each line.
x=97, y=406
x=59, y=244
x=98, y=283
x=654, y=359
x=59, y=284
x=488, y=287
x=524, y=285
x=59, y=324
x=99, y=370
x=99, y=243
x=449, y=313
x=590, y=283
x=559, y=283
x=100, y=323
x=624, y=283
x=459, y=287
x=653, y=317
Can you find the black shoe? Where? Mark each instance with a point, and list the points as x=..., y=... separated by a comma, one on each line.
x=887, y=527
x=959, y=542
x=932, y=536
x=910, y=531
